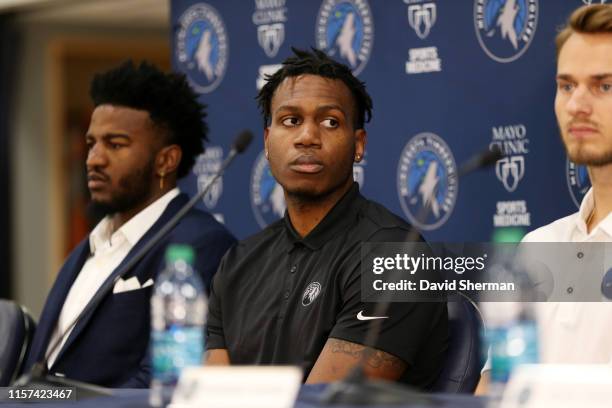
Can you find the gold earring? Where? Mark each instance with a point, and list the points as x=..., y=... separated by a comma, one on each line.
x=358, y=158
x=267, y=155
x=161, y=180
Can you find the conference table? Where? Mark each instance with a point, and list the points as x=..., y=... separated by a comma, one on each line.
x=308, y=398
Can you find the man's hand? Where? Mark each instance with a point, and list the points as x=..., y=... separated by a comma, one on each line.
x=338, y=357
x=217, y=357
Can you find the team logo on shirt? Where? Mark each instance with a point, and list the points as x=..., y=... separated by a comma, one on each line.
x=202, y=47
x=505, y=28
x=345, y=30
x=578, y=181
x=427, y=181
x=267, y=196
x=311, y=293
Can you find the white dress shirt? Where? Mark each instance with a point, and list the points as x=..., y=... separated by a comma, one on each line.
x=107, y=250
x=575, y=332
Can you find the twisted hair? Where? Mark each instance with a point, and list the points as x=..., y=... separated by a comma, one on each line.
x=316, y=63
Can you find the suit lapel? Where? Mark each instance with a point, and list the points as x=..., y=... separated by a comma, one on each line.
x=55, y=300
x=170, y=210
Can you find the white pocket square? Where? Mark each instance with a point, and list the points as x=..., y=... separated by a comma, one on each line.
x=130, y=284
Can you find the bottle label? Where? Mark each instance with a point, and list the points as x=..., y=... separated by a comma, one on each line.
x=175, y=348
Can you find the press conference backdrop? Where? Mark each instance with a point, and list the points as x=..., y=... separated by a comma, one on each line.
x=449, y=79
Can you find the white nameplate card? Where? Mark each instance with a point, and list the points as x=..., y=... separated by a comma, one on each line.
x=237, y=387
x=559, y=386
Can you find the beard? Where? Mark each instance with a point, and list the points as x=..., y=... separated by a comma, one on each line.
x=580, y=155
x=134, y=189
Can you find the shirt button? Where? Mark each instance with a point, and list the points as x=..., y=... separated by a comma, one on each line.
x=293, y=269
x=286, y=294
x=580, y=255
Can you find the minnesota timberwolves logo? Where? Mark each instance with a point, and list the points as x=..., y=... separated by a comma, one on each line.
x=578, y=181
x=267, y=197
x=202, y=47
x=311, y=293
x=345, y=30
x=427, y=181
x=505, y=28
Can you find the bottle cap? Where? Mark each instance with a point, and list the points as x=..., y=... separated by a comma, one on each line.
x=176, y=252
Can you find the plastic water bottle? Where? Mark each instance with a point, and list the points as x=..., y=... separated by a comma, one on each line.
x=512, y=336
x=178, y=311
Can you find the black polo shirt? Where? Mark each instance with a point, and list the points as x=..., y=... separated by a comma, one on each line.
x=277, y=297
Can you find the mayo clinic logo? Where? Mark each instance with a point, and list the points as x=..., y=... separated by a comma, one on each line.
x=578, y=181
x=427, y=182
x=202, y=47
x=206, y=167
x=505, y=28
x=345, y=30
x=269, y=17
x=421, y=17
x=510, y=170
x=513, y=143
x=267, y=197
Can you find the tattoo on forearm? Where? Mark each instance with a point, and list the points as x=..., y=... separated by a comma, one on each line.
x=345, y=347
x=375, y=358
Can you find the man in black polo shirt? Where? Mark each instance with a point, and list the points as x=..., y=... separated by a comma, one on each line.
x=291, y=294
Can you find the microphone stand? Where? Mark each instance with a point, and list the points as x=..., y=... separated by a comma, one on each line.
x=38, y=376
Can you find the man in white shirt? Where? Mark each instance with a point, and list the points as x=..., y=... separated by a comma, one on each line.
x=575, y=332
x=145, y=132
x=581, y=332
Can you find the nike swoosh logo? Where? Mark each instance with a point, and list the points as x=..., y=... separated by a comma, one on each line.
x=360, y=316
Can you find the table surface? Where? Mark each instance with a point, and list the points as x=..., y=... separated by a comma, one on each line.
x=308, y=398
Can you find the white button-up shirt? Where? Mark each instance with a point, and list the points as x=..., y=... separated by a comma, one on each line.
x=572, y=332
x=107, y=250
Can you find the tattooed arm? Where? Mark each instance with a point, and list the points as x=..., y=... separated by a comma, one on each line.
x=338, y=357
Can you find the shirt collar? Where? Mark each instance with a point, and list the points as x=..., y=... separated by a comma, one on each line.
x=586, y=208
x=339, y=217
x=135, y=227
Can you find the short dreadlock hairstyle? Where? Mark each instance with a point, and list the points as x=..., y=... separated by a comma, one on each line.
x=316, y=63
x=172, y=105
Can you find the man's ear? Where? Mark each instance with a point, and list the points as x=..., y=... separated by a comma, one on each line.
x=361, y=137
x=266, y=150
x=168, y=159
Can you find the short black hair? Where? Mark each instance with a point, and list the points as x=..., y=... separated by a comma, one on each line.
x=316, y=63
x=170, y=101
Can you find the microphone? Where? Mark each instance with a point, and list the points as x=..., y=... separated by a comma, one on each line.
x=38, y=374
x=356, y=389
x=480, y=160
